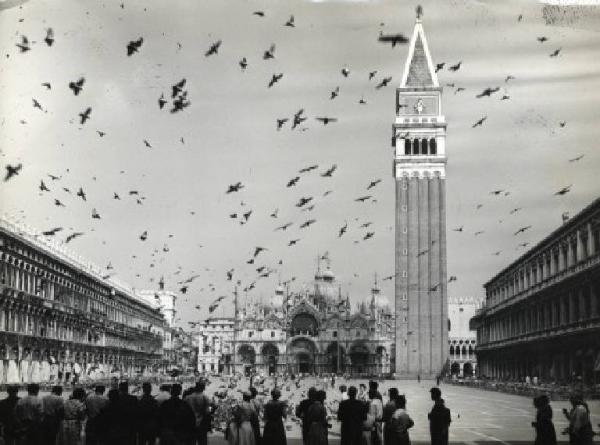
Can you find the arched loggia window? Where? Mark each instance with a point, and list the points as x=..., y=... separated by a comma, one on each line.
x=415, y=150
x=424, y=145
x=407, y=147
x=432, y=147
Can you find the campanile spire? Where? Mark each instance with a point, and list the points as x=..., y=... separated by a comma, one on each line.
x=420, y=172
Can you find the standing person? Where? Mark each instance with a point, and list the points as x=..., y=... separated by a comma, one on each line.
x=439, y=419
x=401, y=423
x=388, y=411
x=580, y=427
x=362, y=392
x=240, y=430
x=352, y=414
x=72, y=424
x=302, y=411
x=94, y=404
x=332, y=380
x=343, y=392
x=176, y=420
x=148, y=415
x=545, y=433
x=106, y=422
x=255, y=420
x=53, y=407
x=127, y=415
x=28, y=413
x=200, y=405
x=275, y=412
x=372, y=425
x=317, y=421
x=8, y=420
x=164, y=393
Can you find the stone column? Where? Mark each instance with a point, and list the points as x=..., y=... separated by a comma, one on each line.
x=580, y=252
x=561, y=258
x=570, y=254
x=593, y=300
x=579, y=294
x=591, y=248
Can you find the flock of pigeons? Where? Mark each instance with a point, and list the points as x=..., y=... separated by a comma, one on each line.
x=178, y=101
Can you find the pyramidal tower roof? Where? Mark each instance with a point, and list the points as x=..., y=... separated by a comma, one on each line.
x=418, y=70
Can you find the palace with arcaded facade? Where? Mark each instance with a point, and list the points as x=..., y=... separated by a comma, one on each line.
x=313, y=330
x=63, y=320
x=541, y=316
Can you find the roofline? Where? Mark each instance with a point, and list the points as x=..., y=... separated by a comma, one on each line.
x=72, y=263
x=565, y=227
x=418, y=30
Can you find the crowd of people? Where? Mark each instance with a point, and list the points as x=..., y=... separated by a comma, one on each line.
x=177, y=417
x=363, y=417
x=117, y=418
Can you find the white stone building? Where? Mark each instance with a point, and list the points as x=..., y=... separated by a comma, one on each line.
x=461, y=339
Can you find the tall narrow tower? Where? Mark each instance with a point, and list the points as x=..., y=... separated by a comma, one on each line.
x=420, y=172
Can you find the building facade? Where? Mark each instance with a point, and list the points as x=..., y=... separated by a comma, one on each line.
x=313, y=330
x=60, y=317
x=215, y=342
x=420, y=256
x=462, y=340
x=541, y=316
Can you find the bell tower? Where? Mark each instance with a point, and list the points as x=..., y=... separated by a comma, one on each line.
x=419, y=137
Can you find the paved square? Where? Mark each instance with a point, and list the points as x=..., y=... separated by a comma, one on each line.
x=478, y=416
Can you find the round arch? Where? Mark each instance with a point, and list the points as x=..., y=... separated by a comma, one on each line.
x=455, y=368
x=301, y=355
x=270, y=355
x=336, y=357
x=359, y=357
x=304, y=324
x=468, y=369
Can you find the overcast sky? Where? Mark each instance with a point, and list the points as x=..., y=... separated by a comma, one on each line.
x=229, y=134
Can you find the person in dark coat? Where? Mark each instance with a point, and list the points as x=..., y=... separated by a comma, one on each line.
x=439, y=419
x=388, y=411
x=176, y=420
x=275, y=412
x=8, y=420
x=316, y=418
x=352, y=413
x=148, y=415
x=127, y=415
x=545, y=434
x=302, y=410
x=53, y=406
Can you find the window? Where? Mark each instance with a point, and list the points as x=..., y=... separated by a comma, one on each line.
x=404, y=230
x=415, y=147
x=334, y=334
x=358, y=333
x=424, y=146
x=272, y=334
x=403, y=297
x=404, y=252
x=432, y=147
x=404, y=274
x=404, y=208
x=407, y=146
x=250, y=333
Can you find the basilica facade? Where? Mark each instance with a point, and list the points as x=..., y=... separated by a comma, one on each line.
x=312, y=330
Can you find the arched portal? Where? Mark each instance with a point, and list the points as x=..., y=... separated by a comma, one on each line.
x=247, y=356
x=468, y=369
x=304, y=324
x=301, y=353
x=455, y=368
x=336, y=357
x=359, y=358
x=270, y=355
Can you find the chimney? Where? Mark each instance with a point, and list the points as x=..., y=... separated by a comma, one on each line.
x=565, y=217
